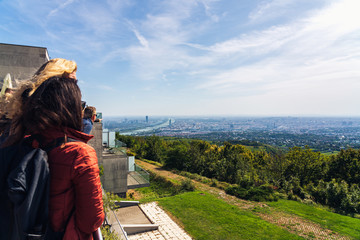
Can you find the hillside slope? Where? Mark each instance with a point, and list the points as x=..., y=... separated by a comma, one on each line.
x=304, y=221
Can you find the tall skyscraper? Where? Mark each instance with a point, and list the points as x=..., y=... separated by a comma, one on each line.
x=147, y=119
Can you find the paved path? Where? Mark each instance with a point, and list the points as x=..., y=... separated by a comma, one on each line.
x=168, y=229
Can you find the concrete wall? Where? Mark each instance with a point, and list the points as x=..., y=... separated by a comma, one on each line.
x=96, y=142
x=115, y=166
x=20, y=61
x=115, y=173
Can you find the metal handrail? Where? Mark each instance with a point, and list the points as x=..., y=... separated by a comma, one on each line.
x=97, y=235
x=117, y=220
x=121, y=227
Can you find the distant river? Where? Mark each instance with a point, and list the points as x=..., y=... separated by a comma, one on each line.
x=149, y=129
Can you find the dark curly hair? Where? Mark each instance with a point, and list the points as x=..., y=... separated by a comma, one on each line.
x=55, y=103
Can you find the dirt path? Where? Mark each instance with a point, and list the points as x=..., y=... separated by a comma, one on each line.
x=292, y=223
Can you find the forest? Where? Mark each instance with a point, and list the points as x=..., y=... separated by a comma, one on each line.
x=262, y=174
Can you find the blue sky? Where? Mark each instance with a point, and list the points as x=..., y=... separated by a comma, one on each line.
x=201, y=57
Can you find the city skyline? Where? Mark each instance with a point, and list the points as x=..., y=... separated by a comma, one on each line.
x=201, y=57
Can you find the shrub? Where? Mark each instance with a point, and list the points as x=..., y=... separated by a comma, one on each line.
x=281, y=195
x=108, y=201
x=259, y=194
x=237, y=191
x=187, y=185
x=213, y=183
x=262, y=193
x=336, y=194
x=245, y=182
x=101, y=168
x=108, y=234
x=308, y=201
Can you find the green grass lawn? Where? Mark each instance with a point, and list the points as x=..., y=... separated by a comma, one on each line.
x=206, y=217
x=342, y=224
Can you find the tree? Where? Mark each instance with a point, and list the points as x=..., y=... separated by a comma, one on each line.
x=305, y=164
x=345, y=166
x=153, y=148
x=178, y=156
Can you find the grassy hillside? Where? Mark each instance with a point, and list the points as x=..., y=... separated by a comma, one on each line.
x=338, y=223
x=206, y=217
x=209, y=213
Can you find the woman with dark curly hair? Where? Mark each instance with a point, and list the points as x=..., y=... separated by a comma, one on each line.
x=57, y=67
x=53, y=111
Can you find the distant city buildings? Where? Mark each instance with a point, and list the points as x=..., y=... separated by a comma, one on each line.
x=329, y=133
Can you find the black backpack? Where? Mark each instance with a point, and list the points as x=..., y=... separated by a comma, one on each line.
x=24, y=186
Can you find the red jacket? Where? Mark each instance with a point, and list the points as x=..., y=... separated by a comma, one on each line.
x=74, y=184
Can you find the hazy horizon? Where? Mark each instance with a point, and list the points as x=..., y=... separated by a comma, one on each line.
x=226, y=116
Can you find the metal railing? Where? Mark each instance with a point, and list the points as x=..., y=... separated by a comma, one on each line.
x=121, y=234
x=97, y=235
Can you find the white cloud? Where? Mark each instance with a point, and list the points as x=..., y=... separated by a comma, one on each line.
x=160, y=37
x=60, y=7
x=142, y=40
x=208, y=9
x=268, y=9
x=109, y=56
x=339, y=18
x=97, y=18
x=293, y=47
x=118, y=5
x=257, y=42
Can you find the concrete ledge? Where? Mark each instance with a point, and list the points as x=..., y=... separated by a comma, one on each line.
x=126, y=203
x=139, y=228
x=138, y=186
